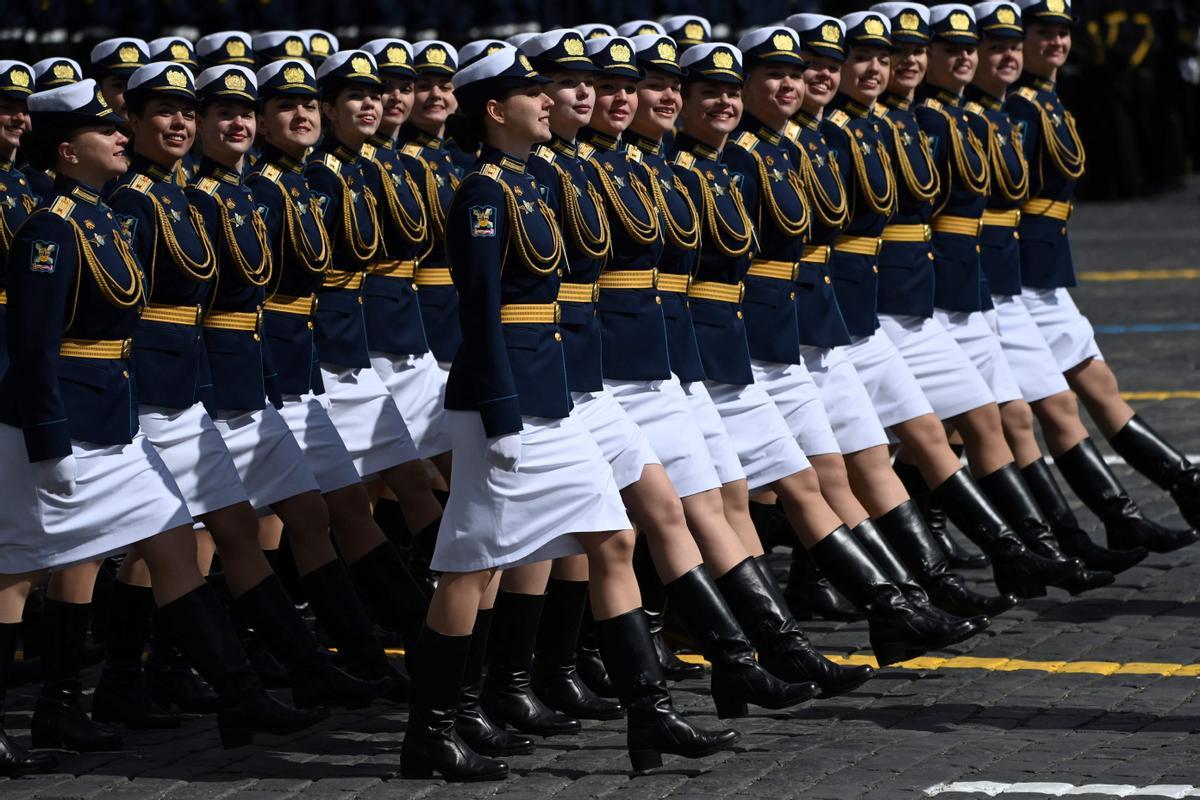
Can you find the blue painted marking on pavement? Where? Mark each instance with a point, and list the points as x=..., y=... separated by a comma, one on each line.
x=1150, y=327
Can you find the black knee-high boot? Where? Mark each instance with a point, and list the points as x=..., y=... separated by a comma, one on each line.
x=556, y=681
x=15, y=761
x=1095, y=484
x=893, y=567
x=654, y=602
x=335, y=602
x=738, y=680
x=906, y=531
x=507, y=695
x=810, y=594
x=1073, y=538
x=58, y=719
x=1150, y=454
x=170, y=679
x=208, y=638
x=1017, y=569
x=431, y=741
x=959, y=556
x=473, y=725
x=1012, y=498
x=898, y=630
x=588, y=662
x=655, y=727
x=314, y=679
x=121, y=695
x=784, y=651
x=390, y=589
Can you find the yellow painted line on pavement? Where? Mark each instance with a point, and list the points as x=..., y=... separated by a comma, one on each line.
x=1014, y=664
x=1181, y=394
x=1177, y=274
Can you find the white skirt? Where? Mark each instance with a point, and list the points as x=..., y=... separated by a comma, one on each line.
x=1033, y=365
x=267, y=457
x=1065, y=329
x=494, y=518
x=765, y=446
x=622, y=442
x=307, y=417
x=943, y=371
x=721, y=451
x=194, y=452
x=847, y=404
x=123, y=494
x=366, y=416
x=418, y=385
x=660, y=409
x=977, y=337
x=889, y=382
x=798, y=399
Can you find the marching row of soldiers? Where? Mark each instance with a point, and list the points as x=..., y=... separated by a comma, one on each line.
x=591, y=281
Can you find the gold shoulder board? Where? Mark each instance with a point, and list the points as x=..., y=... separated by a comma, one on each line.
x=974, y=108
x=881, y=110
x=684, y=159
x=411, y=149
x=586, y=150
x=207, y=185
x=272, y=173
x=544, y=153
x=839, y=118
x=368, y=152
x=746, y=141
x=141, y=183
x=63, y=207
x=1029, y=93
x=633, y=154
x=931, y=102
x=331, y=161
x=491, y=171
x=792, y=131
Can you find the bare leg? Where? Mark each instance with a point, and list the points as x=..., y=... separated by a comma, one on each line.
x=1061, y=425
x=659, y=514
x=806, y=509
x=14, y=589
x=722, y=547
x=1097, y=387
x=983, y=435
x=874, y=481
x=924, y=440
x=613, y=586
x=74, y=584
x=454, y=604
x=834, y=482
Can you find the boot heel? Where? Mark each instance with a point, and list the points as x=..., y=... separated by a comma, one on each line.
x=234, y=737
x=414, y=768
x=892, y=652
x=645, y=760
x=1021, y=588
x=730, y=707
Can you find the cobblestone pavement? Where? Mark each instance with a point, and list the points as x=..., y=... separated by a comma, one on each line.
x=903, y=733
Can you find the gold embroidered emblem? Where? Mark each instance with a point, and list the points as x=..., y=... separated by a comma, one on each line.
x=176, y=78
x=19, y=77
x=128, y=54
x=666, y=51
x=293, y=47
x=960, y=21
x=831, y=32
x=723, y=59
x=693, y=31
x=782, y=41
x=1005, y=15
x=573, y=46
x=236, y=48
x=293, y=74
x=64, y=72
x=620, y=52
x=235, y=82
x=436, y=55
x=874, y=26
x=179, y=51
x=361, y=65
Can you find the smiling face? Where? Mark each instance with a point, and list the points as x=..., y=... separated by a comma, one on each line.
x=14, y=121
x=165, y=130
x=524, y=115
x=354, y=114
x=227, y=131
x=433, y=102
x=821, y=82
x=1000, y=64
x=952, y=66
x=94, y=155
x=865, y=73
x=773, y=93
x=616, y=104
x=1047, y=47
x=660, y=99
x=908, y=68
x=711, y=110
x=574, y=97
x=293, y=124
x=397, y=99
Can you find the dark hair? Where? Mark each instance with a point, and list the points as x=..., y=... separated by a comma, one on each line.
x=466, y=125
x=40, y=145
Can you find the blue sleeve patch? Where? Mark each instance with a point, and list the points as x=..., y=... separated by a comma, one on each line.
x=322, y=201
x=43, y=257
x=483, y=221
x=263, y=211
x=128, y=225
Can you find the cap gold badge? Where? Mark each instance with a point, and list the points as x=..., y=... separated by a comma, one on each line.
x=666, y=51
x=1057, y=6
x=435, y=55
x=176, y=78
x=693, y=31
x=320, y=44
x=830, y=32
x=236, y=48
x=19, y=77
x=960, y=21
x=179, y=51
x=874, y=26
x=397, y=55
x=293, y=47
x=128, y=54
x=782, y=41
x=910, y=21
x=723, y=59
x=620, y=52
x=361, y=65
x=64, y=72
x=573, y=46
x=235, y=82
x=293, y=74
x=1005, y=15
